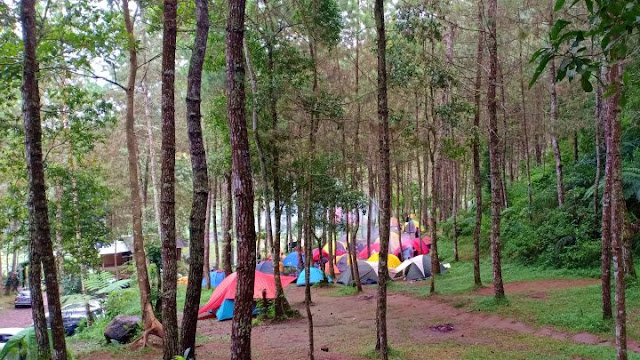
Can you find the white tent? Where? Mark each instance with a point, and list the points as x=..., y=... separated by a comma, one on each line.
x=392, y=272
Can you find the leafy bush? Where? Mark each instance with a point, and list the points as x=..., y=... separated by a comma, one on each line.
x=126, y=302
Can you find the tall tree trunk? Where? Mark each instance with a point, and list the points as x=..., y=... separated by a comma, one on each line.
x=505, y=145
x=289, y=226
x=525, y=133
x=454, y=212
x=385, y=184
x=40, y=246
x=58, y=230
x=281, y=304
x=214, y=221
x=370, y=223
x=477, y=180
x=261, y=155
x=494, y=151
x=167, y=182
x=607, y=312
x=242, y=183
x=554, y=125
x=308, y=214
x=150, y=142
x=598, y=134
x=617, y=207
x=206, y=268
x=150, y=324
x=227, y=223
x=199, y=205
x=399, y=211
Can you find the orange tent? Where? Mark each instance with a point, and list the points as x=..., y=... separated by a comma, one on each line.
x=227, y=291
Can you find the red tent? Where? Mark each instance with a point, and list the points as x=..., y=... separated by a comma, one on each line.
x=316, y=255
x=375, y=248
x=227, y=290
x=421, y=248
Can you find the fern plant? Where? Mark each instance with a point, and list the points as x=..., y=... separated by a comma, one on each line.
x=97, y=285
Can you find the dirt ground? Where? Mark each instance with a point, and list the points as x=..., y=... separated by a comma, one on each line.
x=345, y=326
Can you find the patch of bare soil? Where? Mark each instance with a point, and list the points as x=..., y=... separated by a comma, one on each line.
x=539, y=289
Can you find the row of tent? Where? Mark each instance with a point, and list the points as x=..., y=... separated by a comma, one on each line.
x=221, y=303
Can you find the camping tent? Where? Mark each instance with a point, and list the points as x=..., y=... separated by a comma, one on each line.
x=417, y=268
x=316, y=255
x=215, y=277
x=226, y=290
x=291, y=260
x=339, y=248
x=315, y=276
x=394, y=245
x=225, y=311
x=392, y=260
x=265, y=266
x=367, y=275
x=340, y=264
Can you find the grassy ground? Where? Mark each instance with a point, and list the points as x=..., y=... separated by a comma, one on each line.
x=499, y=346
x=576, y=309
x=92, y=339
x=6, y=302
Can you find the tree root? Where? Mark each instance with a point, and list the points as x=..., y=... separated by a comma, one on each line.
x=154, y=328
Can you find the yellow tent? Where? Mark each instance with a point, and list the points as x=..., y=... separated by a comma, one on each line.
x=392, y=260
x=337, y=245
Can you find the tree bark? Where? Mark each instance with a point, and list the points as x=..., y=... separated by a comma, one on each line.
x=308, y=215
x=40, y=246
x=261, y=155
x=58, y=230
x=281, y=303
x=494, y=151
x=199, y=205
x=617, y=206
x=242, y=183
x=150, y=142
x=214, y=221
x=206, y=268
x=598, y=134
x=607, y=312
x=477, y=180
x=554, y=139
x=454, y=212
x=167, y=182
x=385, y=184
x=525, y=133
x=150, y=324
x=227, y=223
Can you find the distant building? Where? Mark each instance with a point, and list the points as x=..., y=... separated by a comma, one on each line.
x=115, y=254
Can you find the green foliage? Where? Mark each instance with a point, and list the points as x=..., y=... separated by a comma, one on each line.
x=322, y=20
x=23, y=346
x=613, y=25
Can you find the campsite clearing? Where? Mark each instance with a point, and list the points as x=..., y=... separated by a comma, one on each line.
x=343, y=324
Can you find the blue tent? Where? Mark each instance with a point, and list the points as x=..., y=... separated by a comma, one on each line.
x=291, y=260
x=215, y=277
x=265, y=267
x=225, y=311
x=315, y=275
